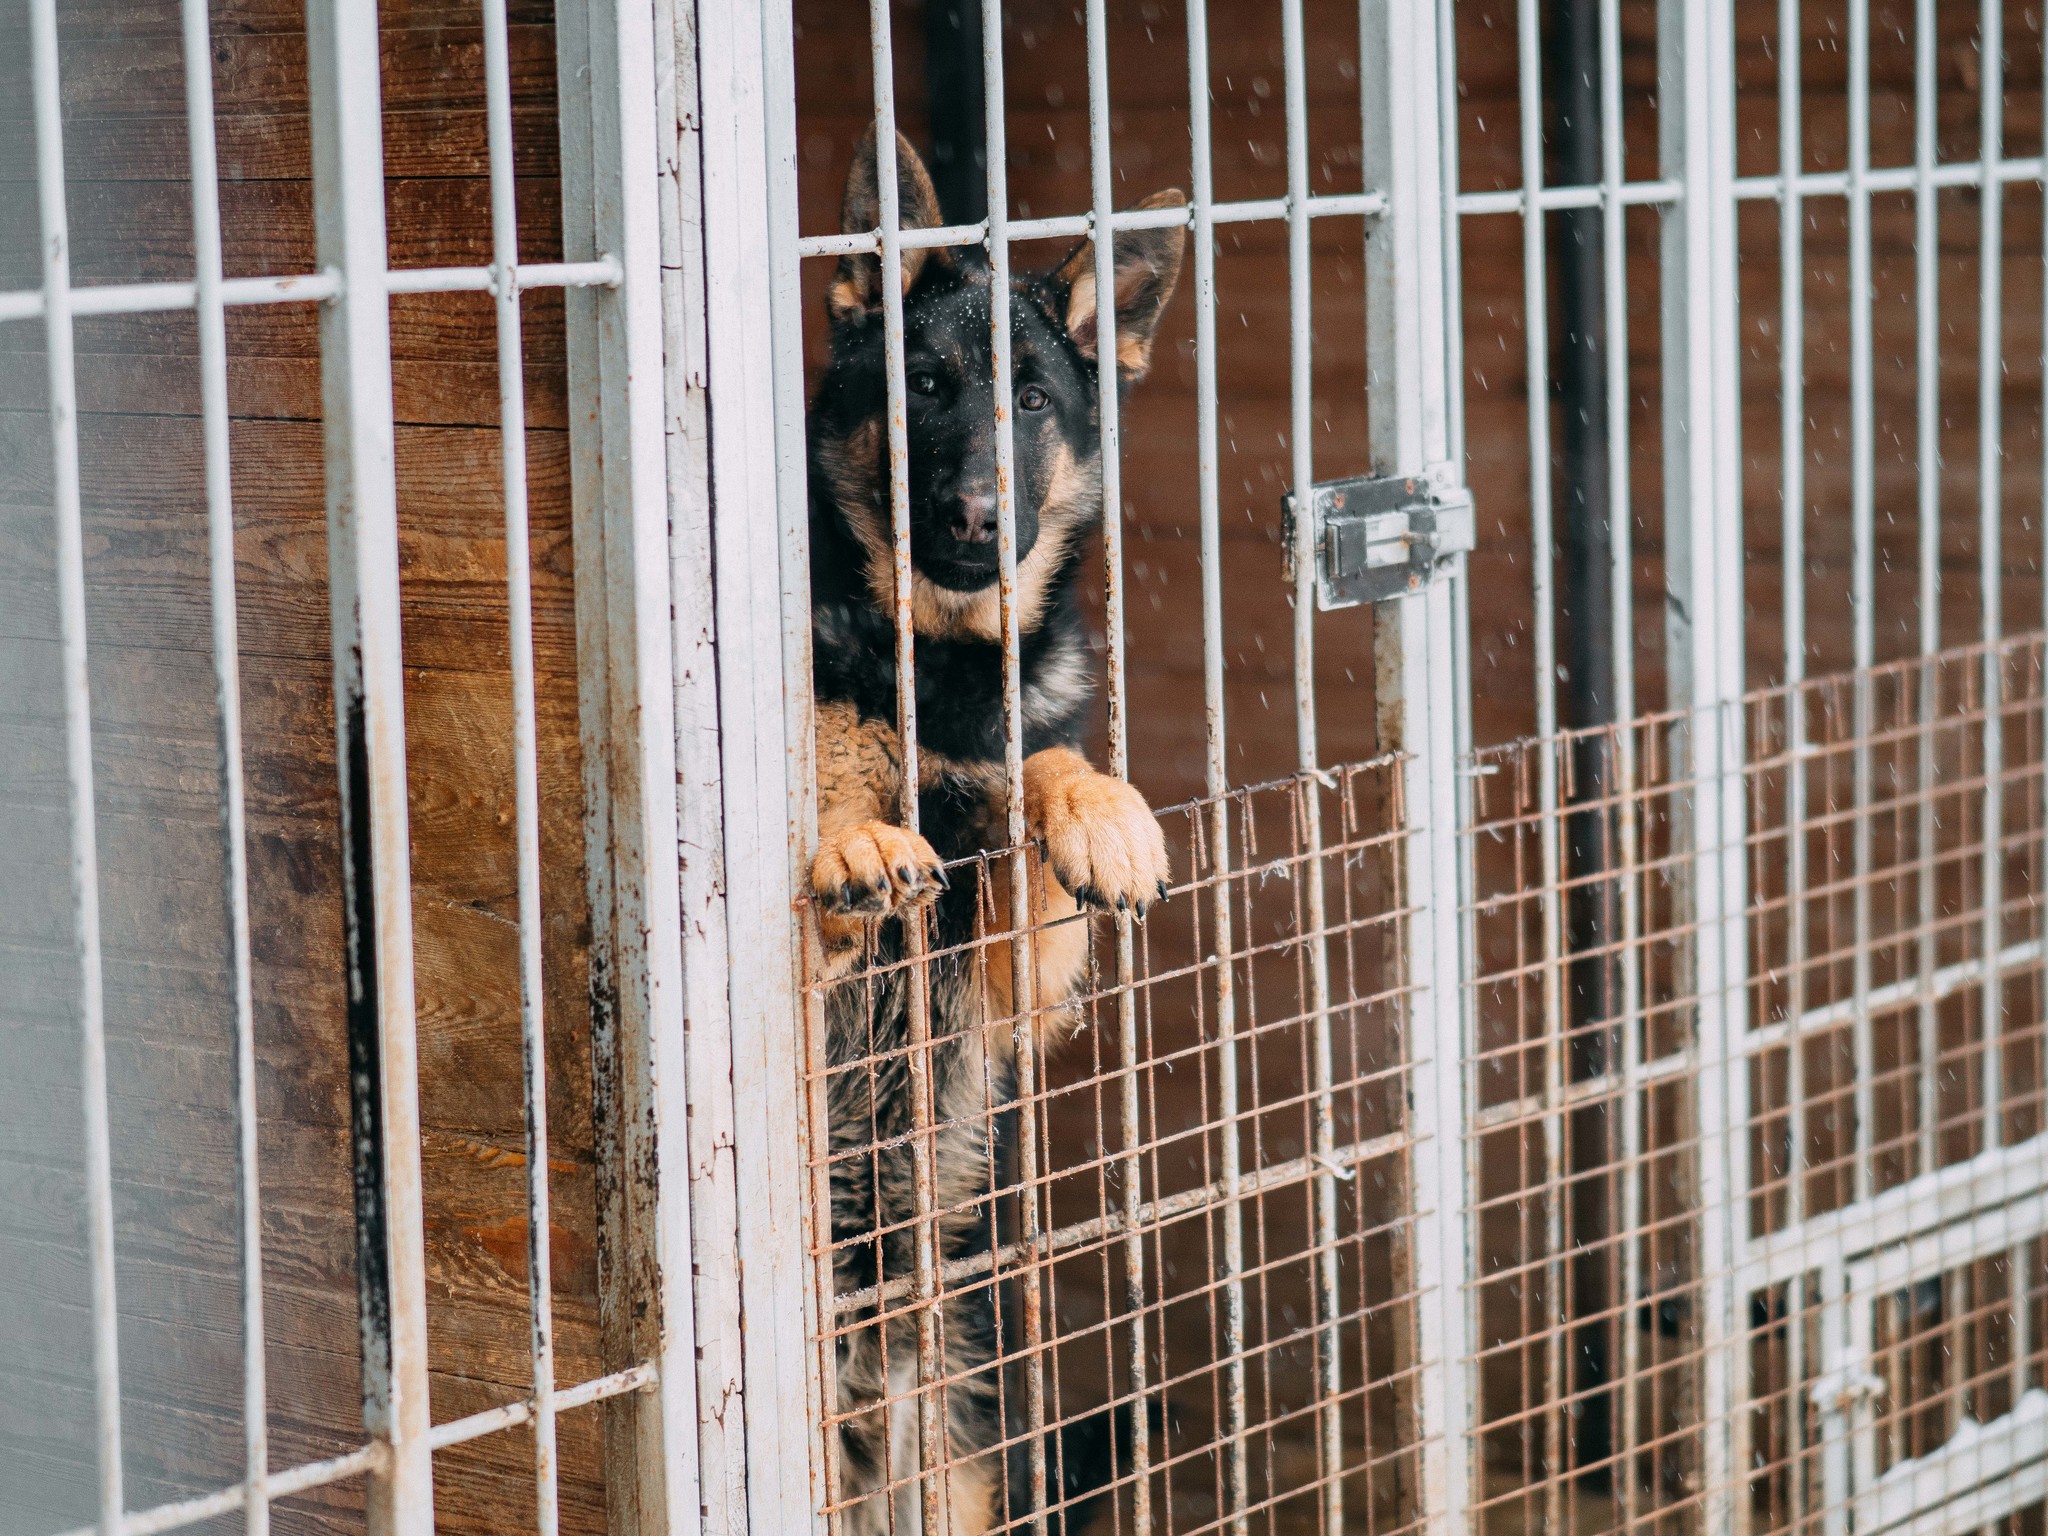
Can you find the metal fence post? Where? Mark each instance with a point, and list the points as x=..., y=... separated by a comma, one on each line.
x=759, y=533
x=1703, y=543
x=612, y=164
x=1411, y=261
x=369, y=717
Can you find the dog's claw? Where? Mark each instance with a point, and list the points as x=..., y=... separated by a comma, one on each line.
x=1162, y=890
x=940, y=878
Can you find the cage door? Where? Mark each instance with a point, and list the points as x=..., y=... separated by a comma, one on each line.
x=1933, y=1412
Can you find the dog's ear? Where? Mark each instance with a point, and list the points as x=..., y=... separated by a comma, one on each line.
x=1147, y=267
x=856, y=291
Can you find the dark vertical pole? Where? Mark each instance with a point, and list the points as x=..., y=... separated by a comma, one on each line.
x=953, y=82
x=1586, y=698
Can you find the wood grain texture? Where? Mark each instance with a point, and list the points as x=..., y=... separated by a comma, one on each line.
x=158, y=786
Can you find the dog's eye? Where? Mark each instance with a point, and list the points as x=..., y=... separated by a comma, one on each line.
x=923, y=384
x=1032, y=398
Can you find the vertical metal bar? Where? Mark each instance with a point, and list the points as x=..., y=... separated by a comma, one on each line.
x=754, y=350
x=712, y=1132
x=1102, y=196
x=62, y=382
x=1703, y=561
x=1990, y=535
x=1216, y=769
x=1536, y=332
x=931, y=1422
x=1414, y=378
x=1621, y=645
x=220, y=545
x=1023, y=956
x=1863, y=564
x=1927, y=397
x=626, y=698
x=1301, y=449
x=369, y=715
x=525, y=752
x=1792, y=572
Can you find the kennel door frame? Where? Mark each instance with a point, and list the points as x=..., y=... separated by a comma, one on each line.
x=741, y=138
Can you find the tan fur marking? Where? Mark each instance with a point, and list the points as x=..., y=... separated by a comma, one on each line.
x=1100, y=836
x=973, y=1491
x=1072, y=496
x=859, y=771
x=1058, y=949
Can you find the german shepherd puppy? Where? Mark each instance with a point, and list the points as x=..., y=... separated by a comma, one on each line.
x=1095, y=841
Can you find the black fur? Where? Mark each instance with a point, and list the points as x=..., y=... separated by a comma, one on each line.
x=961, y=728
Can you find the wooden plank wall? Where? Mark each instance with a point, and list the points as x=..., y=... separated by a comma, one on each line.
x=157, y=783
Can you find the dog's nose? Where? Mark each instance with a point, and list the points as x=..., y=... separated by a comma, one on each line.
x=974, y=518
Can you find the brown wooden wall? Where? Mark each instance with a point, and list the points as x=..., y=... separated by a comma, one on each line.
x=157, y=783
x=155, y=761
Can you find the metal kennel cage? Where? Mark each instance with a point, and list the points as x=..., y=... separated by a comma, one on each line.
x=1588, y=1070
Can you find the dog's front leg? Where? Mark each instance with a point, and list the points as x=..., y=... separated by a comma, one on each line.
x=1100, y=836
x=867, y=868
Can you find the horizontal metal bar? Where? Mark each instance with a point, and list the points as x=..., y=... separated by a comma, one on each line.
x=309, y=288
x=1949, y=979
x=209, y=1506
x=1632, y=194
x=1251, y=1183
x=1891, y=178
x=506, y=1416
x=318, y=1474
x=1074, y=226
x=1590, y=1090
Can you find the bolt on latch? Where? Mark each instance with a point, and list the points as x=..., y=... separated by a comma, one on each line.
x=1381, y=536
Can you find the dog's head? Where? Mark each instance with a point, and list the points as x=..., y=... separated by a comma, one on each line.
x=950, y=402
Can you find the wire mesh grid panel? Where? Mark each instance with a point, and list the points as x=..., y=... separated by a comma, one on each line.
x=1116, y=1206
x=311, y=881
x=1749, y=1108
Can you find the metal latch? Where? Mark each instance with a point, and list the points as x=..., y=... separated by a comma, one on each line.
x=1381, y=536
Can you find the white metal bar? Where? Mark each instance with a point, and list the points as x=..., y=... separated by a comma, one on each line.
x=1991, y=534
x=1621, y=748
x=62, y=384
x=1073, y=226
x=1414, y=380
x=1892, y=178
x=1863, y=568
x=1102, y=197
x=1543, y=554
x=490, y=1421
x=1301, y=454
x=933, y=1475
x=369, y=712
x=626, y=703
x=525, y=755
x=335, y=1469
x=197, y=45
x=1792, y=560
x=311, y=288
x=1632, y=194
x=1927, y=438
x=1703, y=561
x=1023, y=957
x=1216, y=767
x=710, y=1049
x=754, y=338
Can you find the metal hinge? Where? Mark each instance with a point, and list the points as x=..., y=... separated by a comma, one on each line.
x=1382, y=536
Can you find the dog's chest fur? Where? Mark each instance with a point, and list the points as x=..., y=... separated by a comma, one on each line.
x=960, y=712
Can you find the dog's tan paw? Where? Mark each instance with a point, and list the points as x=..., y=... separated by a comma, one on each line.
x=873, y=869
x=1101, y=838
